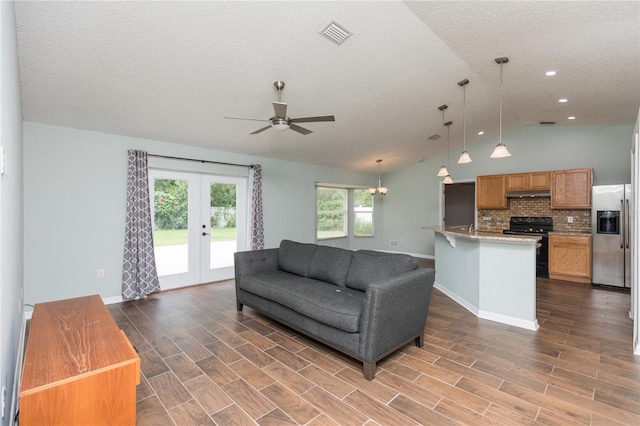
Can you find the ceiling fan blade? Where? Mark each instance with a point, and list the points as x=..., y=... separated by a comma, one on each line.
x=250, y=119
x=280, y=109
x=260, y=130
x=299, y=129
x=313, y=119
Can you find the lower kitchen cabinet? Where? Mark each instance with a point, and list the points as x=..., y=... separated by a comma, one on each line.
x=570, y=258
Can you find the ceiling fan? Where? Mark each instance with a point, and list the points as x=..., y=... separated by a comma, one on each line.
x=280, y=121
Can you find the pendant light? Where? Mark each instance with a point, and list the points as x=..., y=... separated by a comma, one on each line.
x=464, y=156
x=381, y=189
x=501, y=150
x=443, y=169
x=447, y=179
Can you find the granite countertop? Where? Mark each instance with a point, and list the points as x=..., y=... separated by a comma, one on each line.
x=576, y=233
x=463, y=232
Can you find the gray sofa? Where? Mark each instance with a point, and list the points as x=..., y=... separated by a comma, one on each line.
x=365, y=304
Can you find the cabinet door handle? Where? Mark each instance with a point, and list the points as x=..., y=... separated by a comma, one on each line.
x=622, y=230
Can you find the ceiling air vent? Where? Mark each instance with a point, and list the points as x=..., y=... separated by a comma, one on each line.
x=434, y=137
x=336, y=32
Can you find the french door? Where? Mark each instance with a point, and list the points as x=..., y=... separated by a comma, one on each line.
x=199, y=222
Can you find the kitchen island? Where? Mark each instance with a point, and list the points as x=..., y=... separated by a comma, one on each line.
x=490, y=274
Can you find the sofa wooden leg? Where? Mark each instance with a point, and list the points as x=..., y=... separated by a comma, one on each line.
x=239, y=306
x=369, y=370
x=420, y=340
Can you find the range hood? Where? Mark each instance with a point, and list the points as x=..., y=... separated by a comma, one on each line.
x=531, y=193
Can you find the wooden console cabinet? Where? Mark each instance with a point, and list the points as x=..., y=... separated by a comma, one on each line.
x=79, y=367
x=570, y=258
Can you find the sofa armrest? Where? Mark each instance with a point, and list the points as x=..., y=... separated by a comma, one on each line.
x=394, y=311
x=254, y=262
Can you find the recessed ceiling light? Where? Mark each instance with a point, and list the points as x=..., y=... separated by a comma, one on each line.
x=550, y=73
x=571, y=118
x=480, y=133
x=563, y=100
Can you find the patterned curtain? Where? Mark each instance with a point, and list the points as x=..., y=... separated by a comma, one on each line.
x=139, y=274
x=256, y=233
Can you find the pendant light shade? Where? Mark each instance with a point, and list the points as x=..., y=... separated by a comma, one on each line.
x=501, y=150
x=381, y=189
x=464, y=156
x=447, y=179
x=443, y=169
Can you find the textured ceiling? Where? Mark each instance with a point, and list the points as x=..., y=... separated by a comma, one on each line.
x=171, y=71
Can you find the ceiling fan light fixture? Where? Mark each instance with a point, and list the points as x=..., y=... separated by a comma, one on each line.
x=279, y=123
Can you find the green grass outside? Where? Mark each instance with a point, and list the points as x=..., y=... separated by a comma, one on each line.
x=173, y=237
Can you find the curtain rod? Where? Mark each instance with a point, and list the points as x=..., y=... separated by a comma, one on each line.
x=201, y=161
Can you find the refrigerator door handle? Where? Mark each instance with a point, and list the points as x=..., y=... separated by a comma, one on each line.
x=622, y=224
x=627, y=219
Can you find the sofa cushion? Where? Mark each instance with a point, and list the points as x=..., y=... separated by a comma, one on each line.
x=367, y=267
x=329, y=304
x=295, y=257
x=330, y=264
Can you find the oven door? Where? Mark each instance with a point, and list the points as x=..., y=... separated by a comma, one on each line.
x=542, y=252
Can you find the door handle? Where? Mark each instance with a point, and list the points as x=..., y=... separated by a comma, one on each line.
x=622, y=230
x=204, y=233
x=627, y=219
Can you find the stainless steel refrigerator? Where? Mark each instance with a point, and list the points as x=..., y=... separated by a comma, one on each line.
x=610, y=216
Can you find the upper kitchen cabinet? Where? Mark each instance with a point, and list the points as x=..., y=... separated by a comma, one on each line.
x=571, y=189
x=490, y=192
x=527, y=181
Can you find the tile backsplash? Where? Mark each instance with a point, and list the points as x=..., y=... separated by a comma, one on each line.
x=538, y=206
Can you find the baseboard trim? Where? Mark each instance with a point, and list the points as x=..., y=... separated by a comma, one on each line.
x=105, y=300
x=17, y=375
x=491, y=316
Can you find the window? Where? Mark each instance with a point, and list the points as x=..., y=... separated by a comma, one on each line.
x=362, y=213
x=331, y=212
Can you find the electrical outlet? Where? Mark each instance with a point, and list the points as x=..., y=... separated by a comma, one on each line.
x=394, y=243
x=100, y=273
x=486, y=218
x=570, y=219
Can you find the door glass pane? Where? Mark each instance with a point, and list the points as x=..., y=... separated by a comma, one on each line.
x=170, y=226
x=223, y=217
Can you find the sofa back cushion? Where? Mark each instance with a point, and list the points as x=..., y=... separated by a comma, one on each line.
x=330, y=264
x=295, y=257
x=368, y=267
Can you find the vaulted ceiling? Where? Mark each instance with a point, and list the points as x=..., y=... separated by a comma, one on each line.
x=171, y=71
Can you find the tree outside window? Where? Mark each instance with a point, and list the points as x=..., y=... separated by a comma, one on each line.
x=362, y=213
x=331, y=213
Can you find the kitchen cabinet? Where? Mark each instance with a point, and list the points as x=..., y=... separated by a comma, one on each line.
x=490, y=192
x=79, y=367
x=527, y=181
x=570, y=258
x=571, y=189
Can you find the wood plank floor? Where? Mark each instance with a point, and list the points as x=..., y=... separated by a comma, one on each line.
x=205, y=363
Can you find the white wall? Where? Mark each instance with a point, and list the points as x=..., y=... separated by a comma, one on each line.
x=75, y=195
x=11, y=241
x=413, y=198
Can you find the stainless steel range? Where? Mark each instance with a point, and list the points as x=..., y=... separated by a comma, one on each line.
x=525, y=225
